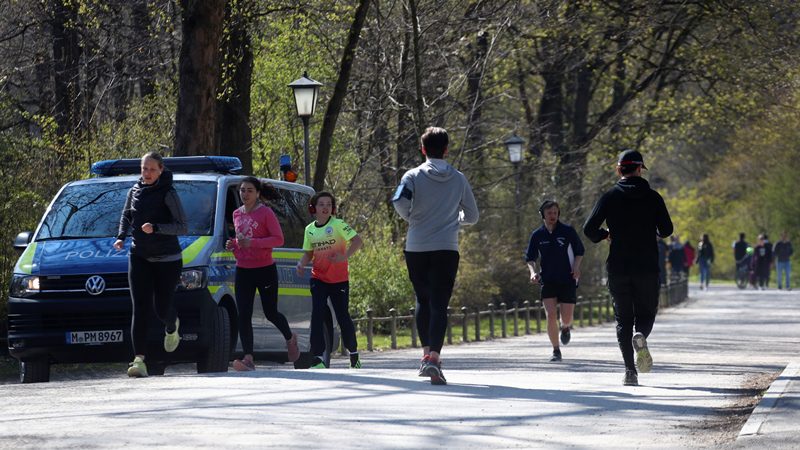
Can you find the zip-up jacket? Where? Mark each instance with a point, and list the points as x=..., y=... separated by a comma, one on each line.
x=635, y=214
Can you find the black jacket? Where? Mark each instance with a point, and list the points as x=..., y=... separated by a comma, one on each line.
x=635, y=215
x=159, y=205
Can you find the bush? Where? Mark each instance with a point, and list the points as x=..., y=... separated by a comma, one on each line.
x=379, y=278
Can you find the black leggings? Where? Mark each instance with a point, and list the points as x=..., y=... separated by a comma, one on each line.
x=152, y=287
x=265, y=279
x=339, y=293
x=635, y=305
x=433, y=275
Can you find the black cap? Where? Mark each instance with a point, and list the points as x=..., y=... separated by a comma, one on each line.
x=628, y=157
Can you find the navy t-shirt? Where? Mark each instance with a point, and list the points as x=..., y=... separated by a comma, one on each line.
x=557, y=251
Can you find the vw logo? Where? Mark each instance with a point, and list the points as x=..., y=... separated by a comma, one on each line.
x=95, y=285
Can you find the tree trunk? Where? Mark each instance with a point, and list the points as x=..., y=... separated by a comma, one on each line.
x=195, y=119
x=339, y=93
x=234, y=130
x=66, y=58
x=419, y=117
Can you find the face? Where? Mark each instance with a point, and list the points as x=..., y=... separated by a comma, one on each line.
x=151, y=170
x=551, y=215
x=248, y=193
x=324, y=207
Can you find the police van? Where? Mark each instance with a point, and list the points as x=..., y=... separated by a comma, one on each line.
x=69, y=299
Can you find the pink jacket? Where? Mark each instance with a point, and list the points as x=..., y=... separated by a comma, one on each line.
x=262, y=228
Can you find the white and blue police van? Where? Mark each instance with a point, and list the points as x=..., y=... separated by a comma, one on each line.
x=69, y=300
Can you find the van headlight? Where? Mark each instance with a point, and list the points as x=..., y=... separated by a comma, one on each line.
x=24, y=285
x=192, y=279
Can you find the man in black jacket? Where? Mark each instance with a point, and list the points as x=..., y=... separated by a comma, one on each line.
x=634, y=213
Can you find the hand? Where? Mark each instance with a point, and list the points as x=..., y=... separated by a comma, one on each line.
x=576, y=274
x=243, y=242
x=300, y=270
x=230, y=244
x=148, y=228
x=119, y=244
x=535, y=278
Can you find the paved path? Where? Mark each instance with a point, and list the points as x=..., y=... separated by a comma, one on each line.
x=502, y=394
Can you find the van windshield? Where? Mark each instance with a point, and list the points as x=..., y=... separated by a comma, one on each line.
x=93, y=210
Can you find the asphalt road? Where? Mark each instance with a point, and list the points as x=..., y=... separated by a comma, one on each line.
x=709, y=354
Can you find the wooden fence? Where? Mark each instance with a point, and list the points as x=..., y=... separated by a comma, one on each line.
x=524, y=318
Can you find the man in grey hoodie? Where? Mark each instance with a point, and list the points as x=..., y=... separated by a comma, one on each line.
x=436, y=200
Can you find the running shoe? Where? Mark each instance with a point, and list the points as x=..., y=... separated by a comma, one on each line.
x=355, y=361
x=631, y=378
x=565, y=336
x=318, y=363
x=171, y=340
x=644, y=362
x=243, y=365
x=137, y=369
x=422, y=363
x=556, y=356
x=433, y=369
x=293, y=352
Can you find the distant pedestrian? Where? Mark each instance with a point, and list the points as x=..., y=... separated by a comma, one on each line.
x=740, y=250
x=705, y=258
x=436, y=200
x=326, y=246
x=634, y=213
x=257, y=233
x=559, y=251
x=762, y=261
x=689, y=257
x=663, y=251
x=154, y=218
x=677, y=259
x=783, y=261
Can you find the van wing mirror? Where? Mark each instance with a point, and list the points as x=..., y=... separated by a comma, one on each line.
x=22, y=240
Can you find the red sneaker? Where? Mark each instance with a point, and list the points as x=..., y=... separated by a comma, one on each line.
x=243, y=365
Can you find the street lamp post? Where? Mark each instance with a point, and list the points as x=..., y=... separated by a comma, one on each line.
x=514, y=147
x=306, y=91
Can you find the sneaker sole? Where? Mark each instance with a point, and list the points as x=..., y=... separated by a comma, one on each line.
x=644, y=361
x=565, y=338
x=241, y=367
x=435, y=373
x=135, y=373
x=167, y=346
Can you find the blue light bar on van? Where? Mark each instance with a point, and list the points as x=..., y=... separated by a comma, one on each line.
x=183, y=164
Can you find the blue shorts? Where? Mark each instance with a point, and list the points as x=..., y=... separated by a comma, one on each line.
x=563, y=292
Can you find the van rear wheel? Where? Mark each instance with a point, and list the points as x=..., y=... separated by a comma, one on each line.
x=34, y=371
x=218, y=354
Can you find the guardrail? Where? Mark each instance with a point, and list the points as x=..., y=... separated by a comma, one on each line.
x=524, y=318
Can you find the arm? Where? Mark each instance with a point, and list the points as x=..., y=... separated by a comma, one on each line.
x=578, y=250
x=301, y=265
x=534, y=272
x=403, y=197
x=591, y=228
x=355, y=244
x=275, y=238
x=576, y=267
x=531, y=255
x=469, y=209
x=663, y=221
x=178, y=225
x=124, y=223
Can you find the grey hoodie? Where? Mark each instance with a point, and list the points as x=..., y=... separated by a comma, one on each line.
x=435, y=199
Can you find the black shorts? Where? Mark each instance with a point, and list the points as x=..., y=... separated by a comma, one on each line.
x=563, y=292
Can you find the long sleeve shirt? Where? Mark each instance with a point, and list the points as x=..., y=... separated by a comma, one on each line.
x=262, y=228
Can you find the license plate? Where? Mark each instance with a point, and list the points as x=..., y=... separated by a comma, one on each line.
x=94, y=337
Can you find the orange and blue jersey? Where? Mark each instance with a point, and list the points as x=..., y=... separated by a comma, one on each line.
x=327, y=241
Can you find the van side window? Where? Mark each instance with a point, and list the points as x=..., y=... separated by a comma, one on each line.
x=231, y=203
x=292, y=212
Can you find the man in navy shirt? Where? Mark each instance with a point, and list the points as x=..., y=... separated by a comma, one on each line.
x=559, y=251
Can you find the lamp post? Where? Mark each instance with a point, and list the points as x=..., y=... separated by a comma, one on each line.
x=306, y=91
x=514, y=147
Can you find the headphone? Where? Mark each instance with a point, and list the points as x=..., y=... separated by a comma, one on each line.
x=547, y=204
x=312, y=208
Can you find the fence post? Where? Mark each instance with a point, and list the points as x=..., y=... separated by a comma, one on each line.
x=449, y=328
x=491, y=320
x=591, y=312
x=464, y=324
x=527, y=306
x=504, y=319
x=413, y=327
x=369, y=329
x=538, y=319
x=516, y=318
x=477, y=324
x=393, y=313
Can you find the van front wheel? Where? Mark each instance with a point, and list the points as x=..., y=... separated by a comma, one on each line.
x=34, y=371
x=216, y=357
